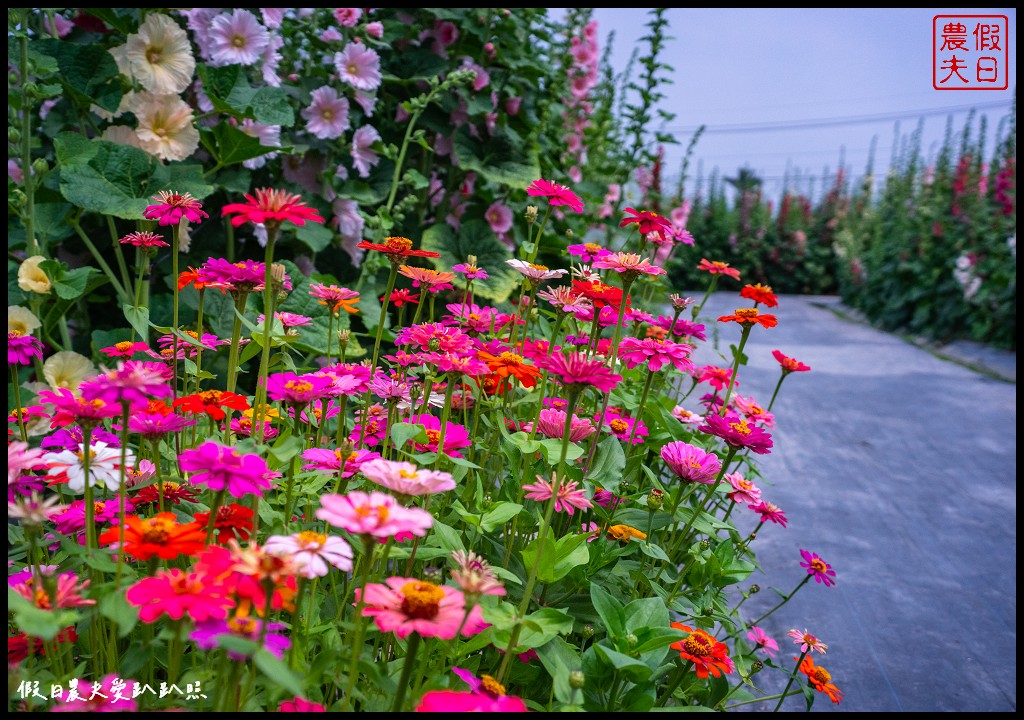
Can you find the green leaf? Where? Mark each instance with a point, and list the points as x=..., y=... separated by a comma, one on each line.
x=317, y=237
x=498, y=515
x=138, y=318
x=611, y=611
x=234, y=146
x=475, y=237
x=85, y=70
x=278, y=672
x=51, y=222
x=646, y=612
x=403, y=432
x=43, y=624
x=631, y=668
x=571, y=551
x=270, y=106
x=652, y=550
x=72, y=284
x=609, y=461
x=418, y=64
x=447, y=537
x=184, y=178
x=560, y=658
x=116, y=607
x=502, y=158
x=104, y=177
x=553, y=450
x=541, y=552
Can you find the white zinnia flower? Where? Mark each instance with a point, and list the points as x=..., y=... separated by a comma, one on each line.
x=312, y=553
x=166, y=128
x=67, y=369
x=160, y=56
x=104, y=466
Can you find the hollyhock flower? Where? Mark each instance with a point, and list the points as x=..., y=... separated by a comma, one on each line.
x=295, y=390
x=435, y=337
x=162, y=536
x=622, y=427
x=300, y=705
x=327, y=114
x=760, y=294
x=568, y=495
x=770, y=511
x=625, y=533
x=375, y=514
x=630, y=264
x=789, y=364
x=363, y=156
x=405, y=605
x=212, y=403
x=808, y=643
x=237, y=39
x=223, y=468
x=21, y=320
x=172, y=207
x=690, y=463
x=271, y=207
x=750, y=316
x=509, y=364
x=557, y=194
x=588, y=252
x=166, y=126
x=175, y=593
x=104, y=466
x=820, y=679
x=686, y=417
x=23, y=349
x=159, y=55
x=576, y=370
x=406, y=479
x=743, y=491
x=312, y=553
x=111, y=694
x=655, y=354
x=455, y=436
x=347, y=17
x=821, y=570
x=499, y=217
x=474, y=575
x=648, y=223
x=124, y=349
x=208, y=633
x=738, y=432
x=717, y=267
x=359, y=66
x=551, y=424
x=375, y=30
x=534, y=272
x=707, y=654
x=762, y=641
x=233, y=522
x=68, y=593
x=430, y=280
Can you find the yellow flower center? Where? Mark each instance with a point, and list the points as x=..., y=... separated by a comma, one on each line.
x=491, y=686
x=299, y=385
x=699, y=644
x=421, y=600
x=746, y=313
x=327, y=114
x=242, y=625
x=352, y=68
x=171, y=486
x=411, y=475
x=819, y=565
x=510, y=358
x=238, y=41
x=393, y=244
x=156, y=530
x=433, y=436
x=97, y=507
x=821, y=675
x=192, y=334
x=592, y=248
x=42, y=599
x=719, y=264
x=742, y=427
x=539, y=267
x=367, y=510
x=123, y=346
x=619, y=425
x=153, y=54
x=308, y=537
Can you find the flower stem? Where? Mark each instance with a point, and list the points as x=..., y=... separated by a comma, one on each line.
x=736, y=366
x=711, y=289
x=792, y=678
x=122, y=494
x=15, y=382
x=785, y=600
x=776, y=391
x=640, y=410
x=236, y=334
x=268, y=325
x=175, y=233
x=353, y=663
x=409, y=663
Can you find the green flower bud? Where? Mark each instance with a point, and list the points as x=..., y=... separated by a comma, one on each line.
x=531, y=214
x=632, y=640
x=757, y=667
x=655, y=499
x=577, y=679
x=705, y=544
x=39, y=167
x=13, y=135
x=755, y=589
x=588, y=631
x=433, y=575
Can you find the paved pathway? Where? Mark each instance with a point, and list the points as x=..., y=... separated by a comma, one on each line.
x=899, y=469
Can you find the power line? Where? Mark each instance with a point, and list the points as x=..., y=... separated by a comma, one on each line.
x=834, y=121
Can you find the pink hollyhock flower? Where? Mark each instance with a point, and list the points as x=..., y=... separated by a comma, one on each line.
x=568, y=495
x=175, y=593
x=375, y=514
x=405, y=605
x=627, y=263
x=111, y=694
x=300, y=705
x=311, y=552
x=808, y=643
x=208, y=634
x=347, y=17
x=327, y=114
x=22, y=349
x=535, y=272
x=375, y=30
x=656, y=354
x=624, y=428
x=331, y=461
x=743, y=491
x=499, y=217
x=359, y=66
x=296, y=390
x=435, y=337
x=738, y=432
x=551, y=424
x=237, y=39
x=363, y=156
x=690, y=462
x=821, y=570
x=449, y=701
x=763, y=642
x=172, y=207
x=557, y=194
x=577, y=370
x=455, y=436
x=406, y=479
x=223, y=468
x=770, y=511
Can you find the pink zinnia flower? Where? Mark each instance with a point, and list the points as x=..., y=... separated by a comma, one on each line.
x=821, y=570
x=737, y=432
x=535, y=272
x=624, y=428
x=154, y=425
x=770, y=511
x=331, y=461
x=237, y=39
x=648, y=223
x=375, y=514
x=111, y=694
x=175, y=593
x=789, y=364
x=363, y=156
x=717, y=267
x=655, y=353
x=681, y=327
x=752, y=411
x=124, y=349
x=295, y=390
x=144, y=239
x=567, y=497
x=556, y=194
x=327, y=114
x=690, y=462
x=588, y=252
x=300, y=705
x=470, y=271
x=808, y=643
x=207, y=635
x=551, y=423
x=566, y=299
x=763, y=642
x=627, y=263
x=359, y=66
x=499, y=217
x=431, y=280
x=405, y=605
x=455, y=436
x=406, y=479
x=474, y=574
x=577, y=370
x=311, y=552
x=66, y=594
x=70, y=409
x=743, y=491
x=22, y=349
x=132, y=382
x=20, y=457
x=171, y=207
x=223, y=468
x=436, y=337
x=717, y=377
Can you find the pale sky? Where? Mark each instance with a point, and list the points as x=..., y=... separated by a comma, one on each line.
x=751, y=67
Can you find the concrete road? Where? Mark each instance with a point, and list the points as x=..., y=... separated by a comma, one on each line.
x=899, y=469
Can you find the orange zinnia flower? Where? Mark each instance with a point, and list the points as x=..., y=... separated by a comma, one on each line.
x=508, y=364
x=760, y=294
x=706, y=653
x=162, y=536
x=212, y=403
x=749, y=316
x=820, y=679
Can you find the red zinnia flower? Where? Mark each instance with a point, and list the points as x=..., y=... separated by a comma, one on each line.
x=162, y=536
x=789, y=364
x=648, y=222
x=493, y=384
x=233, y=522
x=397, y=248
x=707, y=654
x=600, y=294
x=402, y=296
x=760, y=294
x=271, y=207
x=717, y=267
x=174, y=493
x=556, y=194
x=212, y=403
x=750, y=316
x=820, y=679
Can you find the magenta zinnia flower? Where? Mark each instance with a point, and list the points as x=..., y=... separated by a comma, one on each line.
x=207, y=635
x=133, y=383
x=154, y=425
x=770, y=511
x=144, y=239
x=821, y=570
x=535, y=272
x=624, y=427
x=449, y=701
x=223, y=468
x=436, y=337
x=738, y=432
x=21, y=349
x=551, y=424
x=171, y=207
x=566, y=498
x=556, y=194
x=655, y=353
x=578, y=370
x=743, y=491
x=405, y=605
x=648, y=222
x=375, y=514
x=406, y=479
x=690, y=462
x=681, y=327
x=331, y=461
x=292, y=389
x=763, y=642
x=808, y=643
x=455, y=435
x=267, y=206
